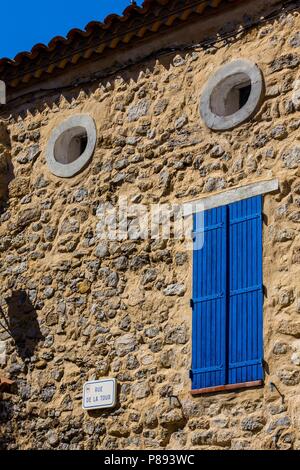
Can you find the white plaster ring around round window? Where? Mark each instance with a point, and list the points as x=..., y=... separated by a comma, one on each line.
x=221, y=107
x=71, y=145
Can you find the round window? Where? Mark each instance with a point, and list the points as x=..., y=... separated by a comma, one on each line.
x=71, y=145
x=232, y=95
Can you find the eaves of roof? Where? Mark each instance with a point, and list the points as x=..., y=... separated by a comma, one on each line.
x=116, y=32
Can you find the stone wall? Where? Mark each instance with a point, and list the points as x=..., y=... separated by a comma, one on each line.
x=80, y=309
x=4, y=160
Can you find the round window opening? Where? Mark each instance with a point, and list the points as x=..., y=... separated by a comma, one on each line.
x=71, y=146
x=232, y=95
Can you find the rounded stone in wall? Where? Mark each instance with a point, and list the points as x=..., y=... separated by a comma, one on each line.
x=232, y=95
x=71, y=145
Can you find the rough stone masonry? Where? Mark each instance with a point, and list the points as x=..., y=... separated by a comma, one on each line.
x=79, y=308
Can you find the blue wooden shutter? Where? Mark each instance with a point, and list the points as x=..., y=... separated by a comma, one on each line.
x=209, y=300
x=245, y=344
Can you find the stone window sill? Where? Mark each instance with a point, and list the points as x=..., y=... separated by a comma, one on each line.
x=228, y=388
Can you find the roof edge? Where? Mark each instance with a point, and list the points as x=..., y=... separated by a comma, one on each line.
x=100, y=38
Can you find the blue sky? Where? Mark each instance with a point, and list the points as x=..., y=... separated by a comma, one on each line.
x=24, y=23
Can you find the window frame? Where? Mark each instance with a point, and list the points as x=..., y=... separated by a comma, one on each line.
x=227, y=77
x=68, y=170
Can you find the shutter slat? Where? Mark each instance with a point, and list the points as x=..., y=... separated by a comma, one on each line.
x=246, y=291
x=209, y=300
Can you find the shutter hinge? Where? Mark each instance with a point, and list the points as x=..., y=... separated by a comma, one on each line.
x=192, y=303
x=191, y=374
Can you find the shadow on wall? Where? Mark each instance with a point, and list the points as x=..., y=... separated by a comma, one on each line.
x=109, y=80
x=22, y=324
x=6, y=414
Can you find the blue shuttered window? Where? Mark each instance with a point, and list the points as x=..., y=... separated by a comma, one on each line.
x=228, y=295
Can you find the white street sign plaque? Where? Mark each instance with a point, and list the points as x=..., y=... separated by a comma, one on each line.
x=99, y=394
